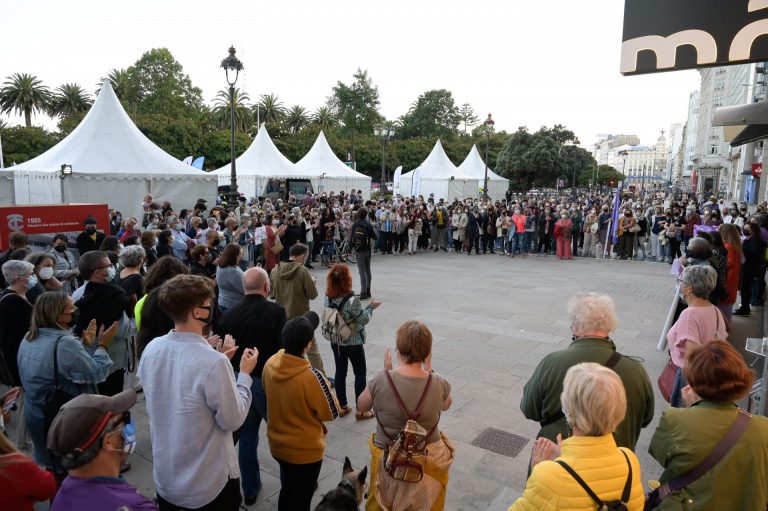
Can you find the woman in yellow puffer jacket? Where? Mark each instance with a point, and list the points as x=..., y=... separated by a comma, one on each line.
x=594, y=403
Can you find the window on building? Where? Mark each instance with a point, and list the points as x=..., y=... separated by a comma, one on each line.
x=719, y=84
x=713, y=149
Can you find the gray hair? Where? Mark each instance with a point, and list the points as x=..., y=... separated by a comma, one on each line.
x=592, y=312
x=593, y=399
x=12, y=270
x=132, y=256
x=701, y=279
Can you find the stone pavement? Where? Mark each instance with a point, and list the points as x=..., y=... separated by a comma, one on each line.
x=492, y=319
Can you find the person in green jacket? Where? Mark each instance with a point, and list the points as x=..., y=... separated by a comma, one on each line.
x=717, y=377
x=593, y=318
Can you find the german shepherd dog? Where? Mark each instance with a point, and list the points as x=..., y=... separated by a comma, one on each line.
x=350, y=492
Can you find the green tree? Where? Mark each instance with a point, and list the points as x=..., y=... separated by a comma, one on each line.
x=606, y=175
x=203, y=118
x=578, y=161
x=528, y=160
x=271, y=110
x=297, y=119
x=221, y=110
x=324, y=117
x=356, y=105
x=558, y=133
x=433, y=114
x=179, y=136
x=160, y=85
x=69, y=99
x=468, y=117
x=25, y=94
x=216, y=148
x=21, y=143
x=121, y=85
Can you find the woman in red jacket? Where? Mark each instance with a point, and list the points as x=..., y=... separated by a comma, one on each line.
x=732, y=241
x=22, y=482
x=563, y=236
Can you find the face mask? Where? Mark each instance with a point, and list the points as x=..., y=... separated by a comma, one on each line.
x=75, y=317
x=517, y=211
x=209, y=258
x=128, y=433
x=111, y=272
x=45, y=273
x=60, y=248
x=90, y=230
x=563, y=216
x=31, y=281
x=209, y=319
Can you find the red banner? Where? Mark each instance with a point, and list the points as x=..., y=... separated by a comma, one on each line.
x=50, y=219
x=757, y=169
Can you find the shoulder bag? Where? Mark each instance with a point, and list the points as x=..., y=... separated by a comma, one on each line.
x=723, y=447
x=614, y=505
x=56, y=398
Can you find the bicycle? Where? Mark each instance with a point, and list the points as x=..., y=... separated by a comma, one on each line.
x=332, y=253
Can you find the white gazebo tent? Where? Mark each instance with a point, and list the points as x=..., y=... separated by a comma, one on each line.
x=260, y=162
x=438, y=176
x=112, y=162
x=474, y=166
x=329, y=173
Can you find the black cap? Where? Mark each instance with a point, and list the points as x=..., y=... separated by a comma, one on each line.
x=301, y=328
x=201, y=201
x=90, y=220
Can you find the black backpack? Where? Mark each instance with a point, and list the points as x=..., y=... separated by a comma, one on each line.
x=614, y=505
x=360, y=239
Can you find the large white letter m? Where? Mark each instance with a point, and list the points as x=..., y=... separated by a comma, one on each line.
x=665, y=49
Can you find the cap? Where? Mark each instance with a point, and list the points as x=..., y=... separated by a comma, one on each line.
x=81, y=420
x=90, y=220
x=201, y=201
x=302, y=327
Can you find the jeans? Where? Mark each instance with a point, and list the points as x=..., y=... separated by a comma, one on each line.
x=228, y=500
x=310, y=246
x=516, y=243
x=356, y=355
x=676, y=399
x=364, y=268
x=297, y=485
x=527, y=238
x=249, y=440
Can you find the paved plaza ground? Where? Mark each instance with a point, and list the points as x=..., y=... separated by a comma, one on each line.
x=492, y=319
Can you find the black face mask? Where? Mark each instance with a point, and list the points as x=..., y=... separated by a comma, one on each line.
x=60, y=248
x=90, y=230
x=208, y=320
x=75, y=318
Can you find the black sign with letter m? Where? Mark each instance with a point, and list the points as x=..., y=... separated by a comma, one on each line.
x=666, y=35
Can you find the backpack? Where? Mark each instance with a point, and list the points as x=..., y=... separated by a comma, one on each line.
x=335, y=328
x=404, y=459
x=614, y=505
x=360, y=239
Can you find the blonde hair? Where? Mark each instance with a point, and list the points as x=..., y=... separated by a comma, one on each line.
x=593, y=399
x=731, y=236
x=48, y=308
x=590, y=312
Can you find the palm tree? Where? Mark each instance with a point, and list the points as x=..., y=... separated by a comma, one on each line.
x=325, y=117
x=120, y=82
x=203, y=117
x=297, y=119
x=69, y=99
x=221, y=110
x=23, y=93
x=271, y=109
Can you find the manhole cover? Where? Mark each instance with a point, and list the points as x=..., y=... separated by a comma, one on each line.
x=500, y=442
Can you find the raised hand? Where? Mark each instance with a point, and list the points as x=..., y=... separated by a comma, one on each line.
x=388, y=359
x=105, y=336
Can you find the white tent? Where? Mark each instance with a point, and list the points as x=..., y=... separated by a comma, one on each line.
x=474, y=166
x=6, y=187
x=440, y=177
x=112, y=162
x=329, y=173
x=260, y=162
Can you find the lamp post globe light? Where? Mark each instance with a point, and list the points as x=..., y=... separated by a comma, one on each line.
x=489, y=122
x=232, y=67
x=385, y=134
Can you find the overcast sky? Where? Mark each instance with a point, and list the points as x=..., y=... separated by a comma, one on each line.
x=528, y=62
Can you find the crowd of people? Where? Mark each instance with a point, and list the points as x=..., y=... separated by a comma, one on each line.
x=207, y=312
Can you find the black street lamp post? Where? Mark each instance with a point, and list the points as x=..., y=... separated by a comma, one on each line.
x=489, y=122
x=232, y=67
x=385, y=134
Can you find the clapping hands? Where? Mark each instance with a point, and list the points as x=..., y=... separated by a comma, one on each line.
x=545, y=449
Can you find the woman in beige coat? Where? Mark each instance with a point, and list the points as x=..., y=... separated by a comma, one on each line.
x=460, y=221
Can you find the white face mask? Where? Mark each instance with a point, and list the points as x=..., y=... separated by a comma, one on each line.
x=45, y=273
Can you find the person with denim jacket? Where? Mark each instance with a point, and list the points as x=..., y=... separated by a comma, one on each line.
x=82, y=362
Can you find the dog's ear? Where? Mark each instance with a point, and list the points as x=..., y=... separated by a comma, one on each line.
x=362, y=475
x=347, y=466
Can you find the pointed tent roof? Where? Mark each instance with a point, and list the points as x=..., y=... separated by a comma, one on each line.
x=322, y=160
x=439, y=166
x=262, y=158
x=108, y=142
x=474, y=165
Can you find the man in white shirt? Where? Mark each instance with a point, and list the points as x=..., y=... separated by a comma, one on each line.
x=194, y=403
x=179, y=238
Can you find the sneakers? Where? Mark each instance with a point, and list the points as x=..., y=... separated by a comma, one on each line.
x=741, y=312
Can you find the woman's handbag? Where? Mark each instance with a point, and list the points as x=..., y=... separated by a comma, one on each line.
x=666, y=381
x=634, y=229
x=278, y=246
x=57, y=398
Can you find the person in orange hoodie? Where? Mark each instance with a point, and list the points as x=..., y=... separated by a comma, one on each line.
x=299, y=401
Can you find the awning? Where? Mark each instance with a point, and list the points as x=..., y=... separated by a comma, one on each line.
x=743, y=124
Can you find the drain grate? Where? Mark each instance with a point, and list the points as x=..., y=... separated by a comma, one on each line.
x=500, y=442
